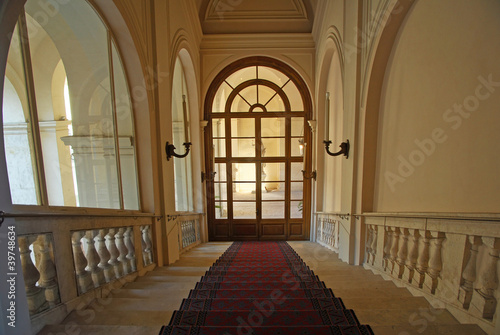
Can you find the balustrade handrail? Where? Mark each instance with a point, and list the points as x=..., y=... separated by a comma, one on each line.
x=431, y=216
x=38, y=214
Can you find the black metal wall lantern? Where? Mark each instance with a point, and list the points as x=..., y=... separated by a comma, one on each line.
x=170, y=150
x=208, y=176
x=344, y=149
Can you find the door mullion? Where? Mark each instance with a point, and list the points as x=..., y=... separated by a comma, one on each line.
x=258, y=169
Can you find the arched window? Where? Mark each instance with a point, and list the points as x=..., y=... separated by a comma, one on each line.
x=180, y=130
x=67, y=113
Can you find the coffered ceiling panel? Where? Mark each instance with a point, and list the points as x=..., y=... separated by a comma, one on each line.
x=256, y=16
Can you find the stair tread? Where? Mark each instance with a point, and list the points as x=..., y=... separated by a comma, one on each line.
x=99, y=330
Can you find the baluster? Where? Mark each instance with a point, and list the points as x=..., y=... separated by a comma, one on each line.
x=484, y=302
x=394, y=248
x=403, y=253
x=104, y=255
x=93, y=259
x=120, y=245
x=435, y=260
x=423, y=260
x=48, y=276
x=411, y=262
x=114, y=253
x=469, y=274
x=128, y=240
x=83, y=277
x=34, y=294
x=387, y=247
x=336, y=235
x=146, y=246
x=374, y=243
x=369, y=241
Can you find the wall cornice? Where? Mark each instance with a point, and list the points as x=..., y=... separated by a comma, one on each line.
x=260, y=41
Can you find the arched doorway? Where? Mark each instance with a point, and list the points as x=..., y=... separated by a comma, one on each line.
x=258, y=110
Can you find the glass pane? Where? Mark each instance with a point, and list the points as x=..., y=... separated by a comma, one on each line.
x=239, y=105
x=297, y=126
x=244, y=191
x=273, y=191
x=244, y=210
x=221, y=174
x=220, y=210
x=244, y=172
x=296, y=191
x=249, y=94
x=219, y=148
x=297, y=171
x=80, y=51
x=273, y=209
x=219, y=128
x=296, y=209
x=273, y=127
x=126, y=134
x=243, y=127
x=219, y=103
x=294, y=96
x=243, y=147
x=273, y=147
x=220, y=191
x=272, y=75
x=273, y=171
x=276, y=104
x=296, y=151
x=241, y=76
x=18, y=136
x=265, y=94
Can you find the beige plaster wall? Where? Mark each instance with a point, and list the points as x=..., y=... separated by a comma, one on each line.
x=439, y=113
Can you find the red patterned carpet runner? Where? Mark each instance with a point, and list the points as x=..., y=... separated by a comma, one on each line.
x=262, y=288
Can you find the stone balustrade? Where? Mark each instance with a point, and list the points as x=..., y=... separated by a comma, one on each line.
x=453, y=262
x=327, y=230
x=40, y=277
x=189, y=232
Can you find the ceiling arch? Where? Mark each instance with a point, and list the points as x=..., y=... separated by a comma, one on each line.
x=256, y=16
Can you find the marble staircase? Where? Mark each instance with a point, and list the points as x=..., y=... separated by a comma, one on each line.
x=143, y=306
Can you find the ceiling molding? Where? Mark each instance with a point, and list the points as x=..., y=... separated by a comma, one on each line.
x=252, y=41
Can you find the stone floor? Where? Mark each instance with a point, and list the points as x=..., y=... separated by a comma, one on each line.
x=142, y=307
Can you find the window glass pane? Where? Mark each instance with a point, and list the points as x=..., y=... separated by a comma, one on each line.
x=249, y=94
x=221, y=174
x=219, y=148
x=272, y=75
x=276, y=104
x=273, y=147
x=220, y=191
x=273, y=209
x=239, y=105
x=294, y=96
x=126, y=135
x=297, y=126
x=220, y=209
x=296, y=209
x=273, y=191
x=244, y=172
x=244, y=210
x=241, y=76
x=297, y=171
x=265, y=94
x=219, y=128
x=18, y=136
x=243, y=127
x=244, y=191
x=296, y=191
x=219, y=103
x=296, y=151
x=80, y=52
x=273, y=127
x=243, y=147
x=273, y=171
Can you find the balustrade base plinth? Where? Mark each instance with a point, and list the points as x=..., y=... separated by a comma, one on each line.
x=465, y=296
x=483, y=306
x=37, y=301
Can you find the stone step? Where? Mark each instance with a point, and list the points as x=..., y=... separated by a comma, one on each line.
x=98, y=330
x=422, y=328
x=387, y=303
x=407, y=316
x=116, y=317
